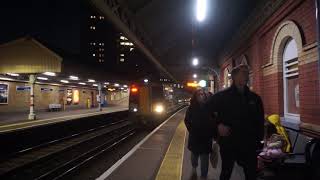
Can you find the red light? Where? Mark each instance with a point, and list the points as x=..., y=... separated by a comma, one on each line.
x=134, y=89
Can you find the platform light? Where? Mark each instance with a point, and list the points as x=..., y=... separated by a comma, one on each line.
x=195, y=75
x=64, y=81
x=122, y=88
x=125, y=86
x=75, y=78
x=146, y=80
x=49, y=73
x=195, y=61
x=106, y=83
x=95, y=85
x=6, y=79
x=135, y=110
x=201, y=10
x=202, y=83
x=91, y=80
x=13, y=74
x=42, y=78
x=116, y=85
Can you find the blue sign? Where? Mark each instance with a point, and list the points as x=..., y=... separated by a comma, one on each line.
x=23, y=88
x=46, y=89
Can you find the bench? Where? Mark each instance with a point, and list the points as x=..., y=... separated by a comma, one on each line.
x=55, y=107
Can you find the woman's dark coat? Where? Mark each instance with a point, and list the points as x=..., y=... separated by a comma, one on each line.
x=201, y=127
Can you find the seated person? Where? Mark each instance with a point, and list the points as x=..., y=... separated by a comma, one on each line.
x=273, y=146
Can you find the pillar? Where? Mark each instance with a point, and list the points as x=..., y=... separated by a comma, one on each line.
x=32, y=80
x=100, y=96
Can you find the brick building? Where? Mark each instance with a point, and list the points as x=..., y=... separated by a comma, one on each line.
x=279, y=43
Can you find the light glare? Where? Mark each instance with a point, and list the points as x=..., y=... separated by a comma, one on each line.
x=201, y=10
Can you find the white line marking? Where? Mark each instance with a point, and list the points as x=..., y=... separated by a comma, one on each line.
x=134, y=149
x=58, y=119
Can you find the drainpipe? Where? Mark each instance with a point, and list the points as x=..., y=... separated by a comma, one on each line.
x=317, y=3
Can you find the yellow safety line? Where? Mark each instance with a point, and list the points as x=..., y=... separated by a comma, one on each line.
x=171, y=166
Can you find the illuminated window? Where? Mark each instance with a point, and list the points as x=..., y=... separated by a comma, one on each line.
x=122, y=43
x=121, y=59
x=122, y=55
x=291, y=80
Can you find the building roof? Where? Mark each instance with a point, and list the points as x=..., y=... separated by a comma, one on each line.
x=27, y=55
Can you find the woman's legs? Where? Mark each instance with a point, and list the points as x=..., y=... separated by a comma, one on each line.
x=194, y=159
x=204, y=158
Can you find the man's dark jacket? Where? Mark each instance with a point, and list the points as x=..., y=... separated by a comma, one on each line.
x=243, y=113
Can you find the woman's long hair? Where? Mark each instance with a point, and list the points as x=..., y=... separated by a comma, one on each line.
x=194, y=99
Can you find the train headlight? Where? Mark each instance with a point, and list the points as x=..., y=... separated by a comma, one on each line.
x=159, y=108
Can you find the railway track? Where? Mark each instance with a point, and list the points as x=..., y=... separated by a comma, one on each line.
x=59, y=157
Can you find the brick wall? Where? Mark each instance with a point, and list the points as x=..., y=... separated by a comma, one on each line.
x=268, y=80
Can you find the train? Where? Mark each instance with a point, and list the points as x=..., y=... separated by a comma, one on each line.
x=151, y=103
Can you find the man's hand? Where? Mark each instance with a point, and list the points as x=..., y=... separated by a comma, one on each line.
x=224, y=130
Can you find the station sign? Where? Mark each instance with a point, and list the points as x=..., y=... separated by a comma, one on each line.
x=23, y=88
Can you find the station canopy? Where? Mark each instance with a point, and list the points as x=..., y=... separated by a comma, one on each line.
x=27, y=55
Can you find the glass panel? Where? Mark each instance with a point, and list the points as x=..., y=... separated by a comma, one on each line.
x=293, y=102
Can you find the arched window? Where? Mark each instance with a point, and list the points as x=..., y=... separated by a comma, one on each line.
x=291, y=80
x=226, y=78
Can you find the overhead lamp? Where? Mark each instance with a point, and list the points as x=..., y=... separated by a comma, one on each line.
x=91, y=80
x=81, y=83
x=106, y=83
x=6, y=79
x=195, y=62
x=42, y=78
x=74, y=78
x=195, y=75
x=64, y=81
x=146, y=80
x=13, y=74
x=202, y=83
x=95, y=85
x=49, y=73
x=125, y=86
x=116, y=85
x=201, y=10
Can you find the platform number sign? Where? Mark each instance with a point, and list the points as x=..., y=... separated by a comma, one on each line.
x=4, y=93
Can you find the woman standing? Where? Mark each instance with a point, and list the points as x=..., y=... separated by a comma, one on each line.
x=201, y=129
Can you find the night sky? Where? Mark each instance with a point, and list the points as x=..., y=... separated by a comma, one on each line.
x=57, y=23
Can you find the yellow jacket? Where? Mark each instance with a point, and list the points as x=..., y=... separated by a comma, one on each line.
x=275, y=120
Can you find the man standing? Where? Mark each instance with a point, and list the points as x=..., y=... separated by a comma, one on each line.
x=240, y=117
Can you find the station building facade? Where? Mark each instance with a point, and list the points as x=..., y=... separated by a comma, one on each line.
x=279, y=43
